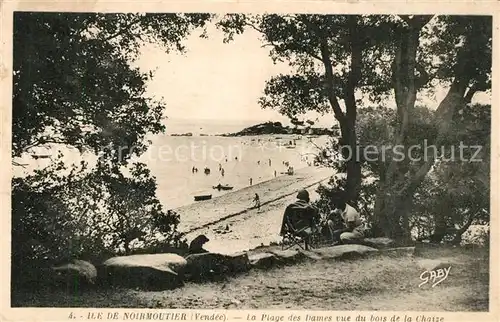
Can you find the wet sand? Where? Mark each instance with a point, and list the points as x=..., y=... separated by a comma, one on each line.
x=248, y=227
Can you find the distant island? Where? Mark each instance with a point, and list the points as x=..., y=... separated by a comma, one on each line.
x=182, y=134
x=278, y=128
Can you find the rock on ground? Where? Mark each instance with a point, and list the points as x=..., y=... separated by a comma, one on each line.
x=77, y=273
x=211, y=266
x=311, y=255
x=148, y=271
x=378, y=242
x=289, y=256
x=344, y=251
x=239, y=262
x=263, y=260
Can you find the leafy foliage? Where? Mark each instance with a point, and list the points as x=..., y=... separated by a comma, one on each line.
x=337, y=58
x=74, y=86
x=457, y=189
x=296, y=39
x=73, y=82
x=87, y=213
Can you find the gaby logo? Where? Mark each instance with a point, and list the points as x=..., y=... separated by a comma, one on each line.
x=435, y=276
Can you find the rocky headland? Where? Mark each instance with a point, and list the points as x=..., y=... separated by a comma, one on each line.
x=278, y=128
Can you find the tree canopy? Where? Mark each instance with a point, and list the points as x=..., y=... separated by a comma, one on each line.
x=340, y=62
x=74, y=86
x=73, y=80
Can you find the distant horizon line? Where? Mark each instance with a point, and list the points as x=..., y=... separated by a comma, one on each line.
x=219, y=120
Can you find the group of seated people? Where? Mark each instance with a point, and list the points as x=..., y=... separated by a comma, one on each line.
x=342, y=225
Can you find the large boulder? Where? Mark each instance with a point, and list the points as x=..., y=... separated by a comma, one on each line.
x=207, y=266
x=378, y=242
x=350, y=251
x=310, y=255
x=214, y=266
x=148, y=271
x=76, y=274
x=239, y=262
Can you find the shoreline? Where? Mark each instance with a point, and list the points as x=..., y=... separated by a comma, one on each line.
x=198, y=214
x=250, y=231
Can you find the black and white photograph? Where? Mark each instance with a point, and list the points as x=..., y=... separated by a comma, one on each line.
x=260, y=161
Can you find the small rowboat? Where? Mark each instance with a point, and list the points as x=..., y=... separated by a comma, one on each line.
x=202, y=197
x=222, y=187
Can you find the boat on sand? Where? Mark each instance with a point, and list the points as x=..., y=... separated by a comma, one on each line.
x=202, y=197
x=222, y=187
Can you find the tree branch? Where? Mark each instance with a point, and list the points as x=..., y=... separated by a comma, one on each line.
x=424, y=76
x=123, y=29
x=416, y=21
x=354, y=70
x=470, y=94
x=254, y=27
x=18, y=164
x=329, y=80
x=459, y=232
x=43, y=141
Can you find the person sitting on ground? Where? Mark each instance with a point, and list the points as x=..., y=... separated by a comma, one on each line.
x=196, y=245
x=353, y=230
x=300, y=218
x=332, y=225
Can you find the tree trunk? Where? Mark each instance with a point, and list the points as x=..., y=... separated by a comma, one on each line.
x=406, y=189
x=440, y=229
x=353, y=186
x=393, y=204
x=346, y=120
x=394, y=184
x=391, y=214
x=353, y=167
x=457, y=239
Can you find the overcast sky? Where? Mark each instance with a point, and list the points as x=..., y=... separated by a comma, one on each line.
x=220, y=81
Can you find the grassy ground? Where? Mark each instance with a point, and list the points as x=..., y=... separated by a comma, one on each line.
x=378, y=283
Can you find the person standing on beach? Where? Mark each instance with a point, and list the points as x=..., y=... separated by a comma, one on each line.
x=257, y=201
x=222, y=171
x=251, y=181
x=275, y=173
x=269, y=162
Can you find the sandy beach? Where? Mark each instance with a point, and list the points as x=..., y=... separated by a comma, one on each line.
x=248, y=227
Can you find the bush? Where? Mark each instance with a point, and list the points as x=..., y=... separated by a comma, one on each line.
x=89, y=214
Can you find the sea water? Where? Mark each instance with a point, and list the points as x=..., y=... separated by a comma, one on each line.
x=171, y=158
x=233, y=161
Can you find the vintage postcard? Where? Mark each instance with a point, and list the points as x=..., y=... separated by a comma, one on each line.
x=312, y=161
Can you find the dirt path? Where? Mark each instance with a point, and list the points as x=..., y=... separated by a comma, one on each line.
x=379, y=284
